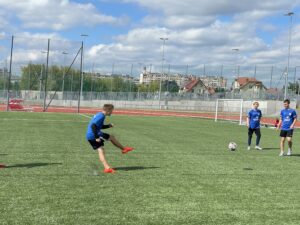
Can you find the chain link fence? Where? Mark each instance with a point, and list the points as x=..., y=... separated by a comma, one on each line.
x=47, y=72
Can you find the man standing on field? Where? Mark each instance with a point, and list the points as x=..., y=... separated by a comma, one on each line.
x=288, y=118
x=253, y=124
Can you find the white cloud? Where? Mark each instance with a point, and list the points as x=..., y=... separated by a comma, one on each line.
x=216, y=7
x=196, y=30
x=202, y=13
x=198, y=36
x=57, y=14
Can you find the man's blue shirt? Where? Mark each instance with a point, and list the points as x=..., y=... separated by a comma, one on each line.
x=287, y=116
x=254, y=116
x=98, y=120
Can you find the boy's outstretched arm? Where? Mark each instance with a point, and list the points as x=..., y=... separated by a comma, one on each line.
x=107, y=126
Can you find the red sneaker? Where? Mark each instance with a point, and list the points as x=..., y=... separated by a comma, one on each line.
x=2, y=166
x=109, y=170
x=127, y=149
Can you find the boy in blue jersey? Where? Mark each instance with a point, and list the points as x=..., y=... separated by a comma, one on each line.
x=253, y=124
x=96, y=137
x=288, y=119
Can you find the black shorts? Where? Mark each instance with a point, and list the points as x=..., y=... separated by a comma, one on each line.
x=95, y=145
x=256, y=131
x=286, y=133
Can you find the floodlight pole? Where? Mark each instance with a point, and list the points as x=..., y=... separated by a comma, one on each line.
x=162, y=69
x=290, y=14
x=130, y=81
x=9, y=75
x=111, y=78
x=64, y=75
x=81, y=76
x=46, y=77
x=298, y=88
x=81, y=70
x=271, y=80
x=237, y=69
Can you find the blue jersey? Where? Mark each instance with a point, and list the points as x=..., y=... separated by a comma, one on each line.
x=254, y=116
x=98, y=120
x=288, y=117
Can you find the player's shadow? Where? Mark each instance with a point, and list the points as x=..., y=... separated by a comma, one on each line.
x=31, y=165
x=130, y=168
x=295, y=155
x=270, y=149
x=249, y=169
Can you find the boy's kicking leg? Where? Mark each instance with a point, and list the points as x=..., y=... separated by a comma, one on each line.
x=116, y=143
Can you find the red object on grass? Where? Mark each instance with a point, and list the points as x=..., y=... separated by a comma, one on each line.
x=109, y=170
x=127, y=149
x=2, y=166
x=276, y=123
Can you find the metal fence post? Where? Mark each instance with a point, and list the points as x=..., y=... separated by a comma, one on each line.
x=9, y=75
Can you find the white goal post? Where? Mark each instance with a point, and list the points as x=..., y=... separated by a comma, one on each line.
x=230, y=110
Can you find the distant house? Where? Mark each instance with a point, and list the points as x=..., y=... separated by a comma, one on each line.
x=249, y=86
x=274, y=93
x=196, y=86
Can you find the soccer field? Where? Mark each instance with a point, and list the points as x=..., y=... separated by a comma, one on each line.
x=180, y=173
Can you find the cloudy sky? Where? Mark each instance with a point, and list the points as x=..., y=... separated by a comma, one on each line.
x=128, y=31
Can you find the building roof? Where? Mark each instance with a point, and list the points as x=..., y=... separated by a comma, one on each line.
x=273, y=91
x=211, y=90
x=244, y=80
x=193, y=83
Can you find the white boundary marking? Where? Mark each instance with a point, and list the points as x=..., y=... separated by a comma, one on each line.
x=86, y=116
x=43, y=120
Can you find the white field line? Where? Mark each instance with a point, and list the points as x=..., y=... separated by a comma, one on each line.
x=86, y=116
x=43, y=120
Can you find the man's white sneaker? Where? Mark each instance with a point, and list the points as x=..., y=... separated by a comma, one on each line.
x=289, y=153
x=281, y=154
x=248, y=148
x=258, y=148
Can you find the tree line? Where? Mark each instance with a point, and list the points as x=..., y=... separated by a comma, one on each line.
x=33, y=77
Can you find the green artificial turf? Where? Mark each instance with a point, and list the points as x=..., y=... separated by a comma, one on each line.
x=180, y=173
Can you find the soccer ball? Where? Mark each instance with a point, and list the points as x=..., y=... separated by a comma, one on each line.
x=232, y=146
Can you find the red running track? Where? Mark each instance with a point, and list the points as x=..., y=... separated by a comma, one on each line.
x=138, y=112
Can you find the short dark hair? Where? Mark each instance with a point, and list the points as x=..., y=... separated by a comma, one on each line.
x=287, y=101
x=108, y=107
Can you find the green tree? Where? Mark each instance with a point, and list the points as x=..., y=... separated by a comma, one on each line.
x=31, y=75
x=294, y=87
x=153, y=86
x=170, y=86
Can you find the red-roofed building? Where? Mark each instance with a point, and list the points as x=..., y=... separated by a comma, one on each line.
x=249, y=86
x=197, y=86
x=241, y=81
x=274, y=91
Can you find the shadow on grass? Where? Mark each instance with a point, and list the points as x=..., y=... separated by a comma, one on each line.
x=129, y=168
x=269, y=149
x=295, y=155
x=247, y=169
x=31, y=165
x=3, y=154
